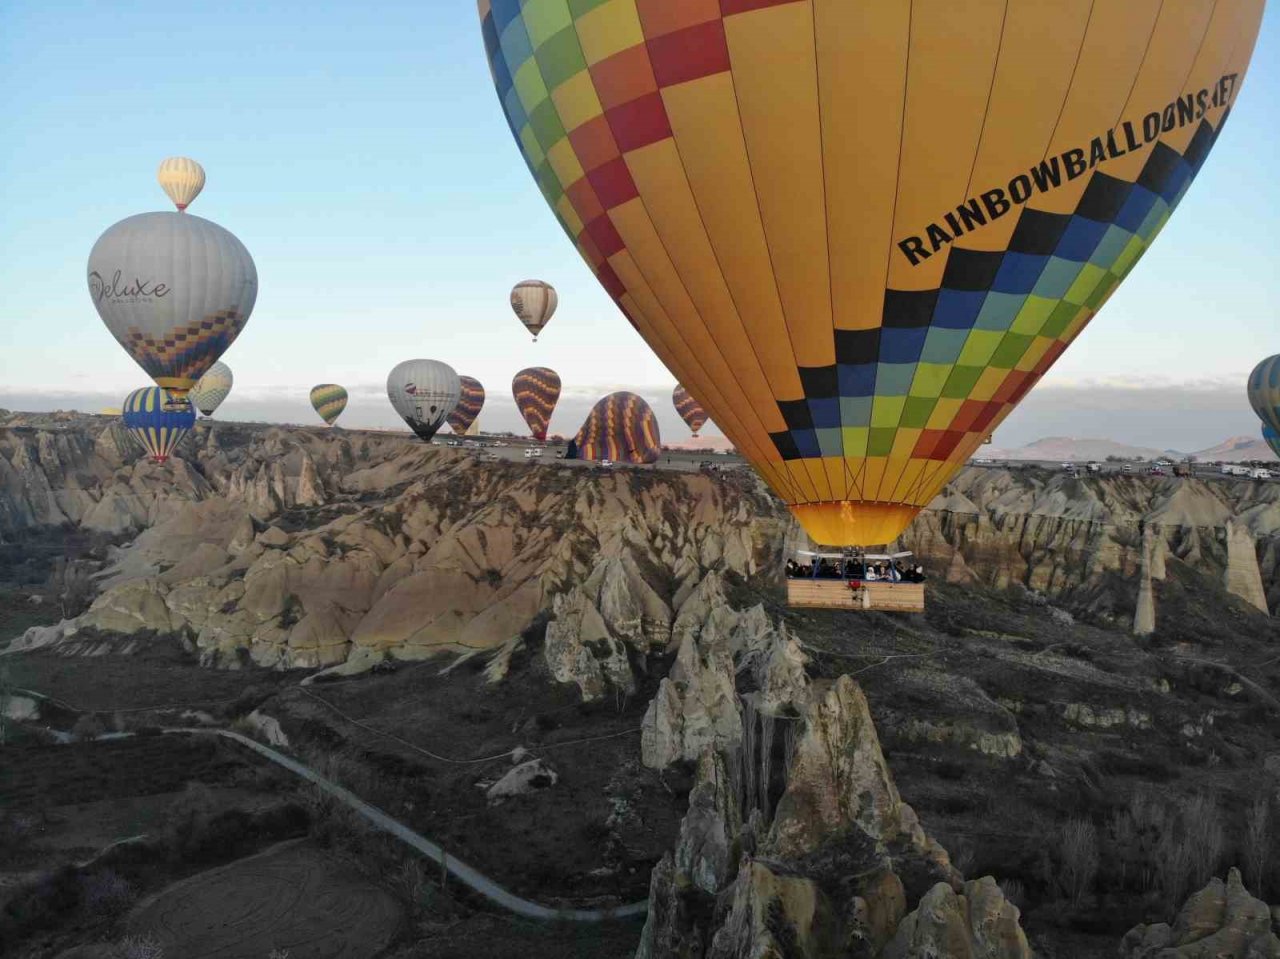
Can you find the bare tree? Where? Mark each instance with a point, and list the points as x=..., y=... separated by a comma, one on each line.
x=6, y=694
x=1078, y=855
x=1202, y=825
x=1257, y=843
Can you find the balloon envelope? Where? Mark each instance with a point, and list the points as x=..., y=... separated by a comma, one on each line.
x=423, y=392
x=1264, y=391
x=694, y=416
x=182, y=179
x=174, y=290
x=860, y=232
x=207, y=395
x=536, y=390
x=470, y=402
x=329, y=400
x=158, y=429
x=621, y=427
x=1273, y=439
x=534, y=303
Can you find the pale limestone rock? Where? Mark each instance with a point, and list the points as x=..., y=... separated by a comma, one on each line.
x=134, y=606
x=579, y=648
x=770, y=917
x=696, y=707
x=319, y=639
x=273, y=537
x=1243, y=577
x=978, y=924
x=267, y=728
x=1221, y=921
x=310, y=486
x=704, y=851
x=528, y=777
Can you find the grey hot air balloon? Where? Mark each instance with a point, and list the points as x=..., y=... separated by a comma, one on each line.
x=424, y=392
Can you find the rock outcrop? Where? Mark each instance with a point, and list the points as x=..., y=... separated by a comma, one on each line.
x=950, y=925
x=1221, y=921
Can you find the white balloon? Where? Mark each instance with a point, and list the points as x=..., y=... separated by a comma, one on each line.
x=174, y=290
x=182, y=178
x=424, y=392
x=208, y=394
x=534, y=303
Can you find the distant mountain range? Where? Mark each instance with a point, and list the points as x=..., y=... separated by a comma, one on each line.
x=1069, y=449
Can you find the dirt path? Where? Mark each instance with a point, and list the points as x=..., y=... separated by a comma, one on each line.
x=480, y=883
x=291, y=897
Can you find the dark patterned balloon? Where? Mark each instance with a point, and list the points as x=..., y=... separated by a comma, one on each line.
x=470, y=401
x=156, y=422
x=689, y=409
x=1272, y=438
x=621, y=427
x=536, y=390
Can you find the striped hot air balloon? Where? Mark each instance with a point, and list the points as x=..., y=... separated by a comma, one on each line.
x=862, y=230
x=621, y=427
x=1264, y=391
x=537, y=390
x=534, y=303
x=1273, y=439
x=470, y=402
x=695, y=416
x=214, y=387
x=182, y=179
x=329, y=400
x=158, y=429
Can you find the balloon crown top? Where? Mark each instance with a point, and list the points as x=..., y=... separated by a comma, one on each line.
x=182, y=179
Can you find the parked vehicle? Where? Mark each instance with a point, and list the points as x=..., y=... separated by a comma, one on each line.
x=1095, y=467
x=1260, y=473
x=533, y=453
x=1127, y=468
x=606, y=464
x=1156, y=470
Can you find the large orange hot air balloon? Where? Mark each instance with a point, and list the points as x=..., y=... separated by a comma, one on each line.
x=536, y=390
x=861, y=231
x=621, y=427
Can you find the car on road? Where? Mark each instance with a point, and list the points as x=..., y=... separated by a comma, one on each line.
x=1095, y=467
x=1127, y=468
x=606, y=464
x=532, y=453
x=1260, y=473
x=1156, y=470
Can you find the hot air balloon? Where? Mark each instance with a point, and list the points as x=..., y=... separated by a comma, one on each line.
x=329, y=400
x=470, y=402
x=860, y=232
x=1264, y=391
x=1273, y=439
x=423, y=392
x=175, y=291
x=534, y=303
x=621, y=427
x=151, y=420
x=207, y=395
x=694, y=416
x=182, y=179
x=537, y=391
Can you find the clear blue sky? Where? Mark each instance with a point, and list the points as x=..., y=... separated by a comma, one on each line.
x=360, y=154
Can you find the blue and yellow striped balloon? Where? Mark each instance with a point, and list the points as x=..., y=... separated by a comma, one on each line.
x=1272, y=438
x=158, y=430
x=1264, y=391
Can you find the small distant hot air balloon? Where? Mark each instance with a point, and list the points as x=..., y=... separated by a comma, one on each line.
x=862, y=231
x=207, y=395
x=151, y=420
x=470, y=402
x=537, y=390
x=175, y=290
x=621, y=427
x=329, y=400
x=534, y=303
x=182, y=178
x=423, y=392
x=1273, y=439
x=1264, y=391
x=695, y=416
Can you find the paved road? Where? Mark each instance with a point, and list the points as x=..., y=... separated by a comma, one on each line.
x=482, y=884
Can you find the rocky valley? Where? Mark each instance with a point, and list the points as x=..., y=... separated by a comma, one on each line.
x=587, y=685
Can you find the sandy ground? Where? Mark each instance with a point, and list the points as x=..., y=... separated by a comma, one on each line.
x=292, y=897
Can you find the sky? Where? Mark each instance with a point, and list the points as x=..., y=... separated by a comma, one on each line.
x=360, y=154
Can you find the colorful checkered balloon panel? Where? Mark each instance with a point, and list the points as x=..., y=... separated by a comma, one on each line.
x=158, y=430
x=1273, y=439
x=1264, y=391
x=329, y=400
x=861, y=231
x=622, y=428
x=470, y=402
x=536, y=390
x=694, y=416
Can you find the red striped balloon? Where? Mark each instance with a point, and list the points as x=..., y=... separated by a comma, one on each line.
x=470, y=402
x=537, y=390
x=689, y=409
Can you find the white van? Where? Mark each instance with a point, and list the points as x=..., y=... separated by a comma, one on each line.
x=1260, y=473
x=533, y=452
